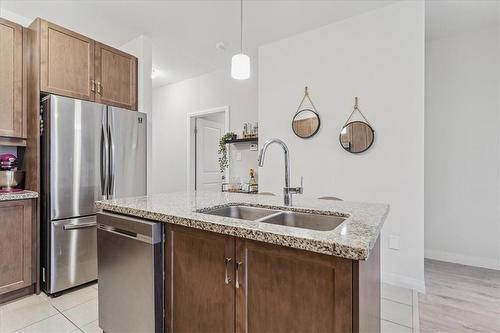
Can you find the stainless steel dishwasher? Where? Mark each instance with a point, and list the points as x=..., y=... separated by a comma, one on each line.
x=130, y=274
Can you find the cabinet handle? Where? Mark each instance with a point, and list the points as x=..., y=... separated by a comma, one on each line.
x=92, y=85
x=227, y=279
x=99, y=88
x=238, y=264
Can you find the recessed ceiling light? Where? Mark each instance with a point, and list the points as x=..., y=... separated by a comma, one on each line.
x=154, y=73
x=220, y=46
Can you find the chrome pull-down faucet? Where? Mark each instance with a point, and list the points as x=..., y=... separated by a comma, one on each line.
x=287, y=190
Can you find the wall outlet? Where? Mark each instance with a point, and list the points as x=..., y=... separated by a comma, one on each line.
x=253, y=147
x=238, y=156
x=394, y=242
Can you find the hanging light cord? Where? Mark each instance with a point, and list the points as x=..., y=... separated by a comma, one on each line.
x=241, y=26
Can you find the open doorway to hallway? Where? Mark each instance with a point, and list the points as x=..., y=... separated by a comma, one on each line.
x=204, y=133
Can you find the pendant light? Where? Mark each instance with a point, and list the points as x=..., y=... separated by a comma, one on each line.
x=240, y=63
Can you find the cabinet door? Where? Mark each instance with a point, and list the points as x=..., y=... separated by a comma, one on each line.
x=116, y=77
x=199, y=290
x=67, y=62
x=12, y=116
x=286, y=290
x=15, y=245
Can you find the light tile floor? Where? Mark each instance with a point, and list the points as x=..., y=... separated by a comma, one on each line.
x=76, y=311
x=399, y=310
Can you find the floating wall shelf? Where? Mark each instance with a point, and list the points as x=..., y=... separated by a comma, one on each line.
x=243, y=140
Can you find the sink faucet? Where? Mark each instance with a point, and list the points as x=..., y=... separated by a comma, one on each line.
x=287, y=190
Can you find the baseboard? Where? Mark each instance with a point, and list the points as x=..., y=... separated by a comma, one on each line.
x=404, y=282
x=462, y=259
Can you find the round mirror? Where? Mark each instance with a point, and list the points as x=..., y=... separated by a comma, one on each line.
x=356, y=137
x=306, y=123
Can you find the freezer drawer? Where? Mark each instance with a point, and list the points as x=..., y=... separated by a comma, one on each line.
x=73, y=253
x=130, y=270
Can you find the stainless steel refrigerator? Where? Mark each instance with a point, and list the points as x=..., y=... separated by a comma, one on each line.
x=89, y=152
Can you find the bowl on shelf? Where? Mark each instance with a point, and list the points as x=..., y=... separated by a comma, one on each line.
x=8, y=162
x=9, y=180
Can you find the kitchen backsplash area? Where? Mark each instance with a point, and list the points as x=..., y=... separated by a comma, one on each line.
x=242, y=159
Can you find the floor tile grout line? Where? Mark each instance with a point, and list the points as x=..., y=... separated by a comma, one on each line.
x=393, y=322
x=36, y=322
x=415, y=312
x=49, y=298
x=400, y=303
x=388, y=299
x=74, y=306
x=77, y=326
x=4, y=305
x=62, y=314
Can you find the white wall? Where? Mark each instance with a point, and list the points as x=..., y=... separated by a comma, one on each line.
x=172, y=103
x=141, y=48
x=378, y=56
x=14, y=17
x=462, y=180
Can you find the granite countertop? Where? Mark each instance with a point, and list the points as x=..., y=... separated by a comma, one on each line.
x=353, y=239
x=22, y=195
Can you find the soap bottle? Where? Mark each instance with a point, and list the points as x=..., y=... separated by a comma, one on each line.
x=253, y=182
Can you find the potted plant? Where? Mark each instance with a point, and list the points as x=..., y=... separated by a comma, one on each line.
x=223, y=158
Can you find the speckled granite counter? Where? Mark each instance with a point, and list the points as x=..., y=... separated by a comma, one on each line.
x=353, y=239
x=22, y=195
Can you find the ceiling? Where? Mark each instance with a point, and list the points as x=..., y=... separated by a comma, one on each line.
x=448, y=17
x=184, y=33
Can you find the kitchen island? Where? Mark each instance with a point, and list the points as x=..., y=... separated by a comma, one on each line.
x=260, y=274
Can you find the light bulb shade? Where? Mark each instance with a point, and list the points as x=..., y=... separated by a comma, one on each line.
x=240, y=66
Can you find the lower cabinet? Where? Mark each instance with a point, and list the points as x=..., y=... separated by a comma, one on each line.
x=281, y=289
x=199, y=290
x=16, y=245
x=220, y=283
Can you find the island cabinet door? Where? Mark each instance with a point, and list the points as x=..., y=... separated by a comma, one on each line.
x=281, y=289
x=199, y=289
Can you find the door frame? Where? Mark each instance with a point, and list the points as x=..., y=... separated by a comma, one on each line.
x=191, y=140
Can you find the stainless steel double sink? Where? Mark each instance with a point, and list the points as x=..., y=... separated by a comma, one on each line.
x=287, y=218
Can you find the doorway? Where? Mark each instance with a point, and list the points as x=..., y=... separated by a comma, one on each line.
x=205, y=128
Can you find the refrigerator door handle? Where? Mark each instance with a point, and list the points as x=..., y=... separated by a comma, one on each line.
x=111, y=158
x=104, y=160
x=79, y=226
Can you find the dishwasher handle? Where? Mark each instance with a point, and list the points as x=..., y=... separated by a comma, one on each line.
x=125, y=233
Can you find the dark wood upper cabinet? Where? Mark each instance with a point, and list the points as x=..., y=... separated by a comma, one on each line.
x=116, y=77
x=198, y=296
x=76, y=66
x=16, y=245
x=281, y=289
x=66, y=62
x=12, y=110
